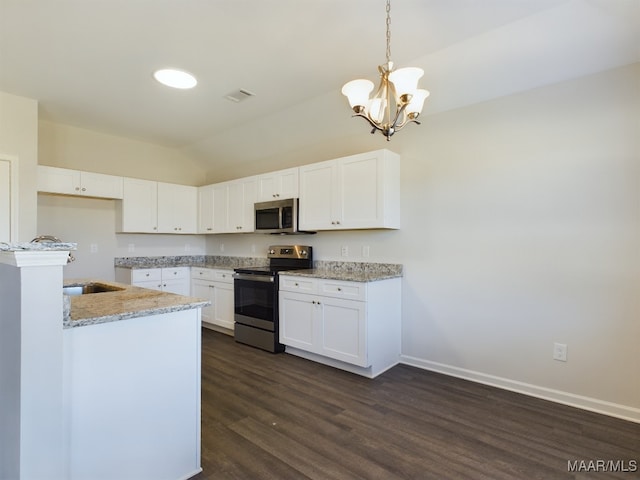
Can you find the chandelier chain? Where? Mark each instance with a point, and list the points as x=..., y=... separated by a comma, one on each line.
x=388, y=31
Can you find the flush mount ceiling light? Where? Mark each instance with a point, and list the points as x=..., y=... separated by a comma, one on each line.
x=175, y=78
x=397, y=102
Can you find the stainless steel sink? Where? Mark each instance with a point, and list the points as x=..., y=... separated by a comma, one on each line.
x=86, y=288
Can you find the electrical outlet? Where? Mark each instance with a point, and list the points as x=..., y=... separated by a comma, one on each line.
x=187, y=247
x=131, y=247
x=93, y=248
x=365, y=251
x=560, y=352
x=222, y=247
x=345, y=251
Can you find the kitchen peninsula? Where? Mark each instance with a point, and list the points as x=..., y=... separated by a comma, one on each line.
x=111, y=391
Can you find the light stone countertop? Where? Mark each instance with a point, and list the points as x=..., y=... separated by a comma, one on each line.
x=350, y=271
x=330, y=270
x=37, y=247
x=130, y=302
x=202, y=261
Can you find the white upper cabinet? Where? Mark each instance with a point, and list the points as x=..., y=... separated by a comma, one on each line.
x=242, y=199
x=177, y=208
x=75, y=182
x=278, y=185
x=356, y=192
x=139, y=207
x=206, y=218
x=156, y=207
x=233, y=206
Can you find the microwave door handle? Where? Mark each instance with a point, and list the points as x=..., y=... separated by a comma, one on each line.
x=280, y=210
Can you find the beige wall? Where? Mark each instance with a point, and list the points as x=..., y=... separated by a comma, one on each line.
x=91, y=222
x=76, y=148
x=520, y=228
x=19, y=138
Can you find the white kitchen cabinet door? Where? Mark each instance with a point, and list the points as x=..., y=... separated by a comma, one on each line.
x=138, y=212
x=233, y=206
x=176, y=280
x=242, y=199
x=356, y=192
x=204, y=289
x=177, y=208
x=100, y=185
x=220, y=293
x=361, y=181
x=344, y=330
x=278, y=185
x=205, y=209
x=221, y=207
x=58, y=180
x=223, y=307
x=75, y=182
x=318, y=192
x=298, y=320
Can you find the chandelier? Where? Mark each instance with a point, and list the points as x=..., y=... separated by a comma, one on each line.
x=397, y=102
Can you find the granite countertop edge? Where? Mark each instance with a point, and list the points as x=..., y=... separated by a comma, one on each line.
x=83, y=322
x=37, y=247
x=362, y=277
x=328, y=270
x=201, y=261
x=127, y=303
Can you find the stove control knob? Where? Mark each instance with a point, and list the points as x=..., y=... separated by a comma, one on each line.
x=303, y=253
x=272, y=252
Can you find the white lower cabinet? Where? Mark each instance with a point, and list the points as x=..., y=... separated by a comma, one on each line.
x=215, y=285
x=168, y=279
x=350, y=325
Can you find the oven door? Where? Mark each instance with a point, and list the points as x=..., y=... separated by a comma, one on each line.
x=255, y=300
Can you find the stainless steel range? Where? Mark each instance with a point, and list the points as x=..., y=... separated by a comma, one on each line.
x=256, y=296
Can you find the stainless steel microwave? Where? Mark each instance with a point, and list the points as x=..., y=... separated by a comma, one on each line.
x=278, y=216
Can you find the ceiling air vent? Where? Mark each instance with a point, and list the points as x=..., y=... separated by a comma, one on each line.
x=238, y=96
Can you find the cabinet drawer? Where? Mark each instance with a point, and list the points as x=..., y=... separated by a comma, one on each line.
x=175, y=273
x=202, y=273
x=298, y=284
x=224, y=276
x=218, y=275
x=146, y=275
x=347, y=290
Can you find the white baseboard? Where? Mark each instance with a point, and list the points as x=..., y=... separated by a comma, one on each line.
x=586, y=403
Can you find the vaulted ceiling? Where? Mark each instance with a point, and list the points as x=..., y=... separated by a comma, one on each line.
x=89, y=63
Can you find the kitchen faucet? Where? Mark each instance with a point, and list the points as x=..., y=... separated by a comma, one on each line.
x=51, y=239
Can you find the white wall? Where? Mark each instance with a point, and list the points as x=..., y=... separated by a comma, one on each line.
x=520, y=228
x=77, y=148
x=19, y=138
x=91, y=221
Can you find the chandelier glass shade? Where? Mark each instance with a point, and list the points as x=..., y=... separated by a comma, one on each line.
x=397, y=101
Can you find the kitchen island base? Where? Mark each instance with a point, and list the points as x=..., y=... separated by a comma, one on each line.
x=132, y=389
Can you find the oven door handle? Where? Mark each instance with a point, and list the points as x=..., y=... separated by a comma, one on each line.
x=254, y=278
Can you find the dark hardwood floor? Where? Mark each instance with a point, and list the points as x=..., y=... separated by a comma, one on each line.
x=268, y=416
